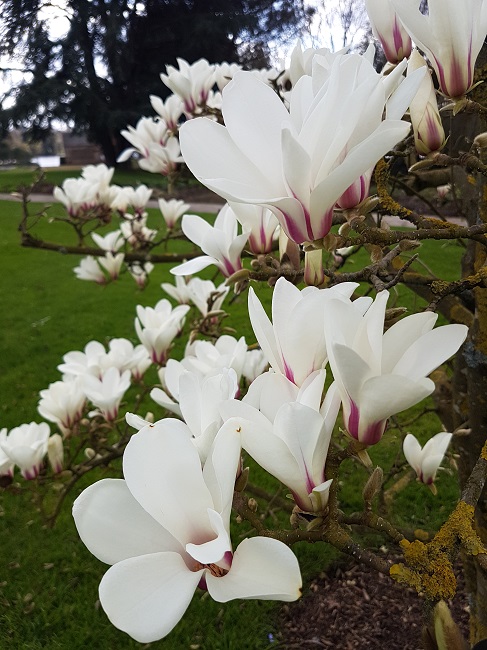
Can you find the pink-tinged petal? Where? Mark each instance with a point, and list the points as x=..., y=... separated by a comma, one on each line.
x=163, y=472
x=195, y=265
x=146, y=596
x=402, y=335
x=113, y=526
x=429, y=467
x=262, y=568
x=349, y=369
x=311, y=392
x=430, y=351
x=297, y=166
x=213, y=551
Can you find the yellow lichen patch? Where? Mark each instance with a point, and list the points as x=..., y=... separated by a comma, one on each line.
x=428, y=567
x=483, y=453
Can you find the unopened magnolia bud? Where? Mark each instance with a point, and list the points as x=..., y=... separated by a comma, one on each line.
x=294, y=520
x=422, y=164
x=241, y=482
x=252, y=504
x=149, y=416
x=238, y=276
x=85, y=422
x=90, y=453
x=394, y=313
x=344, y=229
x=369, y=204
x=375, y=253
x=447, y=634
x=373, y=485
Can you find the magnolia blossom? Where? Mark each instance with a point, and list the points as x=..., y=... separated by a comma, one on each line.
x=89, y=269
x=426, y=460
x=26, y=446
x=122, y=354
x=88, y=362
x=172, y=210
x=292, y=444
x=220, y=242
x=191, y=82
x=380, y=374
x=169, y=110
x=297, y=163
x=157, y=327
x=260, y=223
x=106, y=393
x=429, y=134
x=135, y=230
x=63, y=402
x=294, y=343
x=111, y=242
x=165, y=530
x=179, y=291
x=208, y=358
x=99, y=175
x=199, y=399
x=205, y=296
x=224, y=73
x=147, y=132
x=451, y=35
x=140, y=272
x=388, y=29
x=112, y=264
x=254, y=365
x=138, y=197
x=78, y=195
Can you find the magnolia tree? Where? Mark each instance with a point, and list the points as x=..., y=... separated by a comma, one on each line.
x=294, y=154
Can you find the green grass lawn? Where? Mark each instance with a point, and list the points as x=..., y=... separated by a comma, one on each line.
x=48, y=580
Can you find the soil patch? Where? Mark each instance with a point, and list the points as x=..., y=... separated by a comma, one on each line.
x=353, y=607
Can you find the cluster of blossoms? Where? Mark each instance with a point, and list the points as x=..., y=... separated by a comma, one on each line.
x=284, y=161
x=93, y=197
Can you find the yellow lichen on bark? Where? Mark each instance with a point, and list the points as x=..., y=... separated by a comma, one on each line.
x=428, y=567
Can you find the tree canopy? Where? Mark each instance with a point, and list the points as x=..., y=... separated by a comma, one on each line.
x=98, y=75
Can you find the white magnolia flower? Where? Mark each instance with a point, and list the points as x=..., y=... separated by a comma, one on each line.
x=294, y=343
x=191, y=82
x=89, y=269
x=157, y=327
x=124, y=355
x=106, y=393
x=138, y=197
x=178, y=291
x=292, y=446
x=88, y=362
x=208, y=358
x=111, y=242
x=426, y=460
x=254, y=365
x=389, y=30
x=140, y=272
x=99, y=175
x=260, y=223
x=297, y=163
x=26, y=446
x=380, y=374
x=165, y=530
x=224, y=73
x=172, y=210
x=169, y=110
x=78, y=195
x=205, y=296
x=220, y=242
x=63, y=403
x=112, y=264
x=146, y=133
x=451, y=35
x=198, y=403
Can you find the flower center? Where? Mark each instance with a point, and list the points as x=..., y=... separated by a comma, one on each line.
x=214, y=569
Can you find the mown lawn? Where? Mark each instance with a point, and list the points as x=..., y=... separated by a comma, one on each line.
x=48, y=580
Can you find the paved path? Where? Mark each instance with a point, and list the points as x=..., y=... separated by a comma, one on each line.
x=215, y=207
x=47, y=198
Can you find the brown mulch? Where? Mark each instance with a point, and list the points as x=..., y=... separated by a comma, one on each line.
x=355, y=607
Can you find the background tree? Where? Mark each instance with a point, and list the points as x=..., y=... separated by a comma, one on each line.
x=98, y=75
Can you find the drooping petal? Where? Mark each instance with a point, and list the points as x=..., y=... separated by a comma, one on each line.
x=113, y=526
x=213, y=551
x=146, y=596
x=262, y=568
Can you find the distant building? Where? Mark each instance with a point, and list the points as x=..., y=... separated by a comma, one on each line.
x=78, y=151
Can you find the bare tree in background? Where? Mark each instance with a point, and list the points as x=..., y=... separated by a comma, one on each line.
x=339, y=23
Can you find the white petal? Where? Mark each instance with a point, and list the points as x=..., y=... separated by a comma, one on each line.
x=262, y=568
x=113, y=525
x=163, y=472
x=146, y=596
x=213, y=551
